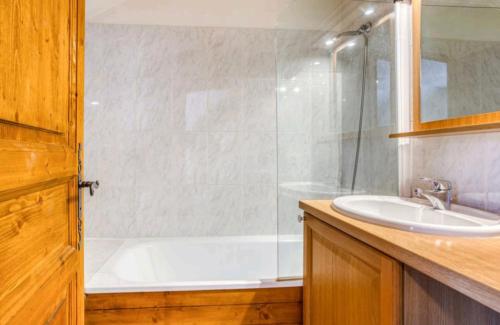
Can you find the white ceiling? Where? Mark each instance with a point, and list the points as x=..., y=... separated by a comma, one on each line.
x=222, y=13
x=287, y=14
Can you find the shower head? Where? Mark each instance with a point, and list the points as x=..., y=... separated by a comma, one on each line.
x=363, y=30
x=366, y=28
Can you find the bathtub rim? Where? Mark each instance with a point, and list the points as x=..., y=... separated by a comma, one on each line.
x=192, y=285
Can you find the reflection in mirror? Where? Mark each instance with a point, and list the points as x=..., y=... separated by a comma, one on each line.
x=460, y=60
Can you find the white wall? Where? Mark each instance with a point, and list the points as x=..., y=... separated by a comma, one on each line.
x=378, y=160
x=180, y=129
x=471, y=162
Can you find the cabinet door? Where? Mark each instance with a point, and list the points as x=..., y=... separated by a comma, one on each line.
x=347, y=282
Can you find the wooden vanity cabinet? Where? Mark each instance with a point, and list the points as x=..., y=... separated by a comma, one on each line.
x=346, y=281
x=429, y=302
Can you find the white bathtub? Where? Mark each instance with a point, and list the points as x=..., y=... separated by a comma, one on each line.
x=189, y=263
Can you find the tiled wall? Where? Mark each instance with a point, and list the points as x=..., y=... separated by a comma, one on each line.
x=307, y=139
x=317, y=125
x=307, y=142
x=378, y=160
x=305, y=117
x=180, y=129
x=471, y=162
x=189, y=137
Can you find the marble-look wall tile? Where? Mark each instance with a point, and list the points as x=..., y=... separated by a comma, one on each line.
x=180, y=128
x=227, y=53
x=470, y=162
x=224, y=158
x=185, y=157
x=184, y=132
x=294, y=157
x=377, y=171
x=225, y=107
x=259, y=158
x=242, y=158
x=294, y=107
x=307, y=124
x=259, y=108
x=258, y=200
x=154, y=98
x=111, y=220
x=156, y=52
x=189, y=105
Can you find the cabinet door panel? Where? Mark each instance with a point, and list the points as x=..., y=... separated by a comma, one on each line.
x=348, y=282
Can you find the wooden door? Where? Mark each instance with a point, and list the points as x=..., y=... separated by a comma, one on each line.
x=347, y=282
x=41, y=97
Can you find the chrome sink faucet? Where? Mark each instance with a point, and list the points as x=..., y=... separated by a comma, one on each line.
x=439, y=188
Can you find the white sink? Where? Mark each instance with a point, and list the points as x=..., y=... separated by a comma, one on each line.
x=412, y=216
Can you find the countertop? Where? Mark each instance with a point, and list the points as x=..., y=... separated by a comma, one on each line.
x=468, y=265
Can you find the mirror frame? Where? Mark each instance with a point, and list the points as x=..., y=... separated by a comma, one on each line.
x=472, y=122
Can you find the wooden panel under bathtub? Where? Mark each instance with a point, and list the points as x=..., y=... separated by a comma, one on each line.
x=237, y=306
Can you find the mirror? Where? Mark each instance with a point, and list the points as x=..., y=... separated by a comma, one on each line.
x=456, y=62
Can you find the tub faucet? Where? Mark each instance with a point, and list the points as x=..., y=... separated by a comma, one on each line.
x=439, y=188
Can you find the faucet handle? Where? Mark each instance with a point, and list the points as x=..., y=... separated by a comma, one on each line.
x=432, y=181
x=438, y=185
x=444, y=185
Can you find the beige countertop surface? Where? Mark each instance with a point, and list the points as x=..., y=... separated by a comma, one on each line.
x=468, y=265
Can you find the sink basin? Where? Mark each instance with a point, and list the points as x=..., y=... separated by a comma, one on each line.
x=412, y=216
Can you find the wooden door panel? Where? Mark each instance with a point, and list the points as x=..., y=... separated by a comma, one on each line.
x=35, y=81
x=37, y=238
x=348, y=282
x=61, y=317
x=41, y=111
x=39, y=253
x=31, y=163
x=54, y=303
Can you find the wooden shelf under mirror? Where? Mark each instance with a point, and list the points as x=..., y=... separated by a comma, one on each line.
x=491, y=127
x=449, y=95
